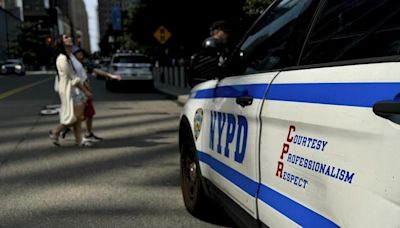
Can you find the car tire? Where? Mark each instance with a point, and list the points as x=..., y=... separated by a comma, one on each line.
x=195, y=199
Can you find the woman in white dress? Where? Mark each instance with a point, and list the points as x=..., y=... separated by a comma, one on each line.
x=72, y=100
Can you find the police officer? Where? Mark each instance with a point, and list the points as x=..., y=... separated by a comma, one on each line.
x=209, y=62
x=217, y=42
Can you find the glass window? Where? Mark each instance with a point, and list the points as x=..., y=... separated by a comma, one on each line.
x=130, y=59
x=358, y=29
x=274, y=42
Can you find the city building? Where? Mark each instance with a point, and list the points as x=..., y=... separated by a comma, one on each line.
x=105, y=12
x=9, y=32
x=72, y=19
x=79, y=21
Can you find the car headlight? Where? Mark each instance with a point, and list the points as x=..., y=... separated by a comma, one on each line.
x=3, y=67
x=18, y=67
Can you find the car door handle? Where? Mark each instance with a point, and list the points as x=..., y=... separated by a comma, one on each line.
x=244, y=101
x=386, y=109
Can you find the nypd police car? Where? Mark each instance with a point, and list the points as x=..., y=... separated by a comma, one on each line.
x=301, y=127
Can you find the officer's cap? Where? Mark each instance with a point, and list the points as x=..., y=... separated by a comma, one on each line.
x=220, y=25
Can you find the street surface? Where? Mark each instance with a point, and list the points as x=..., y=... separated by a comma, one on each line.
x=131, y=179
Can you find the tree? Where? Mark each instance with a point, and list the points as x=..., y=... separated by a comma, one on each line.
x=186, y=38
x=255, y=7
x=128, y=40
x=31, y=45
x=141, y=21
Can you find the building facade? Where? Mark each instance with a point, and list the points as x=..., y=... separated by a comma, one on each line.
x=79, y=19
x=105, y=12
x=9, y=32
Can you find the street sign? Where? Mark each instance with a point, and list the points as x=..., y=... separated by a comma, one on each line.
x=162, y=34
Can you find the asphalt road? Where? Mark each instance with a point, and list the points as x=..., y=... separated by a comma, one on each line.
x=131, y=179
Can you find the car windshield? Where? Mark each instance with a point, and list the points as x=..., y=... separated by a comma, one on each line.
x=130, y=59
x=130, y=67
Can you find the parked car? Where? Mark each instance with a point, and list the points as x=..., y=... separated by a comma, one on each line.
x=135, y=71
x=13, y=66
x=299, y=128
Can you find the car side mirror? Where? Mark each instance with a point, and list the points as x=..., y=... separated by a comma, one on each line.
x=203, y=67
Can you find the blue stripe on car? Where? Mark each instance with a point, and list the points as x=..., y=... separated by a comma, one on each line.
x=255, y=90
x=348, y=94
x=240, y=180
x=286, y=206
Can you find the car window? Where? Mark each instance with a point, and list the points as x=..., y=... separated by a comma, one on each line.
x=274, y=42
x=130, y=59
x=347, y=30
x=119, y=67
x=8, y=61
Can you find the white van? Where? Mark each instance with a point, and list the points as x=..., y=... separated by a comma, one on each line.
x=301, y=127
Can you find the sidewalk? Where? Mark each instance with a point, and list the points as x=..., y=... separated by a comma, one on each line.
x=180, y=94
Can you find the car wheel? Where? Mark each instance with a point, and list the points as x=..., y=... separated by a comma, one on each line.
x=194, y=197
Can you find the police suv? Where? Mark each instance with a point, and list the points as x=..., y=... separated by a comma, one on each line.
x=302, y=125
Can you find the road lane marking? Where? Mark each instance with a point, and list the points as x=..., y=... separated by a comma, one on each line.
x=22, y=88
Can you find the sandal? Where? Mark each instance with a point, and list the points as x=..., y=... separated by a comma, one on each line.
x=54, y=138
x=65, y=132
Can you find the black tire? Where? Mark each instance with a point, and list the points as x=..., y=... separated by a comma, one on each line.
x=195, y=199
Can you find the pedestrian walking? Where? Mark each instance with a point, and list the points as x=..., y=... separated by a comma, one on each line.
x=72, y=99
x=77, y=58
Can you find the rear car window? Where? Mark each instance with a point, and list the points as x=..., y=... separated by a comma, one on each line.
x=358, y=29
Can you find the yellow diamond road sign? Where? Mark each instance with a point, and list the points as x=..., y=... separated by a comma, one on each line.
x=162, y=34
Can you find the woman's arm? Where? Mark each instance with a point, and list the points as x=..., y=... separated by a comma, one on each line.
x=106, y=74
x=83, y=88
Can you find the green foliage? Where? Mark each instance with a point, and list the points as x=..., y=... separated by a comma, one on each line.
x=128, y=40
x=125, y=42
x=30, y=45
x=142, y=20
x=255, y=7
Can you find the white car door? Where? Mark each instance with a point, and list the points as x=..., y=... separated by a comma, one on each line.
x=325, y=156
x=329, y=149
x=229, y=143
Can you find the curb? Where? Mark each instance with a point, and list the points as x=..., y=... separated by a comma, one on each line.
x=182, y=99
x=180, y=95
